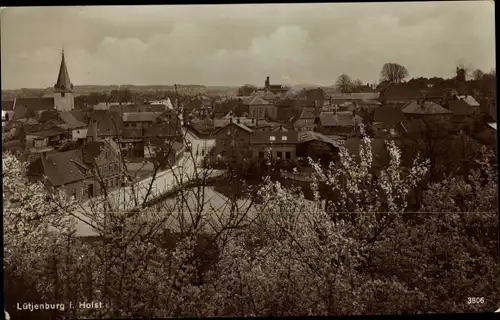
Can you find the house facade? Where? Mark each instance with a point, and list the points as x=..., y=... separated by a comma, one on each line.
x=197, y=142
x=279, y=145
x=233, y=136
x=82, y=173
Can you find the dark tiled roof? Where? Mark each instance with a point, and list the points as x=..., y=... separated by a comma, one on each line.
x=60, y=167
x=92, y=150
x=460, y=108
x=238, y=125
x=63, y=82
x=264, y=137
x=70, y=120
x=469, y=100
x=389, y=116
x=80, y=115
x=25, y=105
x=316, y=136
x=105, y=123
x=427, y=107
x=8, y=105
x=402, y=92
x=47, y=115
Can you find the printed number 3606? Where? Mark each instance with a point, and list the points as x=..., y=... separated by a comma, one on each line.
x=475, y=300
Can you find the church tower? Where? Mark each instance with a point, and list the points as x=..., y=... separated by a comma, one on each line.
x=63, y=89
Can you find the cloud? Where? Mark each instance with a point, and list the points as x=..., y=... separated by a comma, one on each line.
x=237, y=44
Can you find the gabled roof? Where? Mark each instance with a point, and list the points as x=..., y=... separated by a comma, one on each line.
x=107, y=123
x=47, y=115
x=254, y=100
x=92, y=150
x=70, y=120
x=426, y=107
x=402, y=92
x=24, y=105
x=460, y=108
x=61, y=168
x=249, y=122
x=469, y=100
x=63, y=82
x=265, y=94
x=264, y=137
x=238, y=125
x=308, y=136
x=306, y=113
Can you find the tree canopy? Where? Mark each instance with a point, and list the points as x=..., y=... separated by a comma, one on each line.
x=393, y=72
x=361, y=251
x=344, y=83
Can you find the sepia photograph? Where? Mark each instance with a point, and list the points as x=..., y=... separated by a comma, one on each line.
x=249, y=160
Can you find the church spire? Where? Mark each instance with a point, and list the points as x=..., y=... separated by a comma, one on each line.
x=63, y=82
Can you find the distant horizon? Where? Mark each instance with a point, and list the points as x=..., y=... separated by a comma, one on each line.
x=308, y=43
x=166, y=85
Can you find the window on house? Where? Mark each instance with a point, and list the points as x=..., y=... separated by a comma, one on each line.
x=284, y=138
x=278, y=154
x=261, y=155
x=110, y=167
x=272, y=138
x=134, y=125
x=63, y=94
x=73, y=194
x=288, y=155
x=90, y=190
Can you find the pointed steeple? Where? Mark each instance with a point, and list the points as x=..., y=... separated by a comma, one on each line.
x=63, y=82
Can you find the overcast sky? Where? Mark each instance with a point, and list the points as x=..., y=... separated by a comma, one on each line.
x=238, y=44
